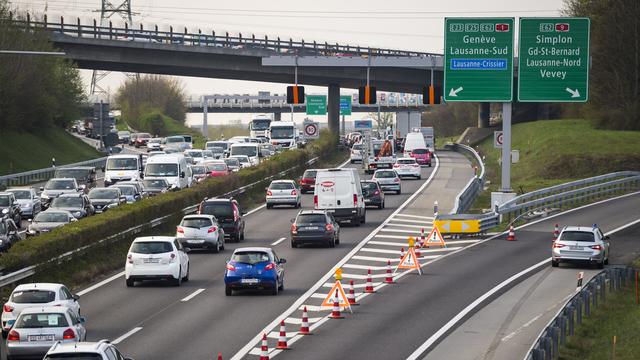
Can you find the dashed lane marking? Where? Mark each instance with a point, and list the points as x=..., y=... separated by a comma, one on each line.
x=278, y=241
x=409, y=226
x=194, y=294
x=399, y=231
x=126, y=335
x=412, y=221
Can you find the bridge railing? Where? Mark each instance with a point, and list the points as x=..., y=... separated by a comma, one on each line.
x=181, y=36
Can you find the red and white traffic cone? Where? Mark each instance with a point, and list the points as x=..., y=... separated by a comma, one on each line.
x=389, y=278
x=401, y=253
x=219, y=356
x=369, y=287
x=512, y=234
x=351, y=296
x=556, y=233
x=264, y=348
x=304, y=326
x=335, y=312
x=282, y=337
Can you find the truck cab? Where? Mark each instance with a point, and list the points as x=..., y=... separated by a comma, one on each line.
x=284, y=134
x=381, y=155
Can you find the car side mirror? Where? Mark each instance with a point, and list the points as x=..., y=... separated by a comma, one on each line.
x=186, y=250
x=182, y=174
x=292, y=220
x=74, y=219
x=41, y=188
x=102, y=168
x=283, y=261
x=82, y=319
x=607, y=237
x=76, y=297
x=123, y=199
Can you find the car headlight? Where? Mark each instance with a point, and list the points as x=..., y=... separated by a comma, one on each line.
x=77, y=214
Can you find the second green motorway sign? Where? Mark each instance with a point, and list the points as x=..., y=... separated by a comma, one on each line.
x=553, y=63
x=478, y=59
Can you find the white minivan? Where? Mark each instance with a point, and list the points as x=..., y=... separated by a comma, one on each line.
x=339, y=192
x=252, y=150
x=414, y=140
x=122, y=168
x=171, y=167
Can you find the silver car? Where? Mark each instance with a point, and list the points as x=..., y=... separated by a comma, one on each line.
x=388, y=180
x=200, y=232
x=49, y=220
x=283, y=192
x=28, y=200
x=581, y=244
x=37, y=329
x=57, y=186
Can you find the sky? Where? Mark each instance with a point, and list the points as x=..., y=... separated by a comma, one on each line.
x=401, y=24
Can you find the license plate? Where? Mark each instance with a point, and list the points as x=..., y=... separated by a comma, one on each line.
x=312, y=228
x=195, y=241
x=576, y=248
x=249, y=281
x=151, y=261
x=367, y=200
x=41, y=337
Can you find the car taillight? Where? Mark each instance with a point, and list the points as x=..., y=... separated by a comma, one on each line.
x=269, y=193
x=130, y=259
x=315, y=201
x=7, y=308
x=396, y=165
x=596, y=247
x=396, y=180
x=557, y=246
x=355, y=199
x=270, y=266
x=293, y=192
x=180, y=230
x=13, y=336
x=329, y=227
x=212, y=229
x=68, y=334
x=294, y=228
x=172, y=257
x=231, y=267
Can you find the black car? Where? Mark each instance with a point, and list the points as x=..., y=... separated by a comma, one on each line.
x=314, y=227
x=77, y=204
x=155, y=186
x=229, y=216
x=84, y=175
x=373, y=194
x=9, y=234
x=9, y=207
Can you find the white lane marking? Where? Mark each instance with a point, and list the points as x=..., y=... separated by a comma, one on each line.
x=413, y=221
x=278, y=241
x=256, y=209
x=404, y=237
x=298, y=304
x=123, y=337
x=318, y=296
x=416, y=216
x=363, y=267
x=395, y=260
x=410, y=226
x=623, y=227
x=400, y=231
x=355, y=286
x=298, y=321
x=362, y=277
x=528, y=323
x=385, y=251
x=101, y=283
x=194, y=294
x=276, y=334
x=388, y=243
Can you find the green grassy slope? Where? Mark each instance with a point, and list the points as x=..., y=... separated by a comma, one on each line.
x=25, y=151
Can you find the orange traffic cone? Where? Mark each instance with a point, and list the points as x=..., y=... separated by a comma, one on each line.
x=512, y=234
x=264, y=349
x=335, y=312
x=351, y=296
x=389, y=278
x=369, y=287
x=282, y=337
x=556, y=233
x=304, y=326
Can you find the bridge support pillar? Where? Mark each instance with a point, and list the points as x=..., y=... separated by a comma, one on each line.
x=277, y=116
x=333, y=109
x=484, y=112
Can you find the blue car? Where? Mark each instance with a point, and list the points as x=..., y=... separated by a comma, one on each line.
x=256, y=268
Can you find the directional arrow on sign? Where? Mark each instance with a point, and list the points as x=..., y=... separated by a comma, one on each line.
x=574, y=93
x=455, y=92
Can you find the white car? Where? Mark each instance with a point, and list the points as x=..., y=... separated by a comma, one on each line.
x=101, y=350
x=243, y=159
x=201, y=231
x=154, y=144
x=157, y=258
x=408, y=166
x=356, y=152
x=195, y=154
x=36, y=295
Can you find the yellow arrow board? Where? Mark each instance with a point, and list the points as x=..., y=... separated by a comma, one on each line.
x=458, y=226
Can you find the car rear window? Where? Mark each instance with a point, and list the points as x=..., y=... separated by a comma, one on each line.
x=578, y=236
x=281, y=186
x=406, y=161
x=41, y=320
x=385, y=174
x=250, y=257
x=368, y=186
x=221, y=209
x=196, y=222
x=420, y=151
x=74, y=356
x=310, y=174
x=216, y=167
x=311, y=219
x=151, y=247
x=33, y=297
x=198, y=170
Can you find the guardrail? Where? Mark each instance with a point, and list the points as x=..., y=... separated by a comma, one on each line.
x=473, y=188
x=22, y=274
x=547, y=345
x=33, y=176
x=181, y=36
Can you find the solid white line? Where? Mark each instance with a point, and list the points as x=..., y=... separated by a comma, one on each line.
x=256, y=209
x=278, y=241
x=410, y=226
x=413, y=221
x=101, y=283
x=363, y=267
x=416, y=216
x=385, y=251
x=123, y=337
x=623, y=227
x=400, y=231
x=299, y=302
x=194, y=294
x=403, y=237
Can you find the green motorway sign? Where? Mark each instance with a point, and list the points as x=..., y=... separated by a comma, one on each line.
x=478, y=59
x=345, y=105
x=316, y=105
x=553, y=63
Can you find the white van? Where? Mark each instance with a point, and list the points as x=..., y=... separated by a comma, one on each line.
x=122, y=168
x=338, y=191
x=414, y=140
x=252, y=150
x=171, y=167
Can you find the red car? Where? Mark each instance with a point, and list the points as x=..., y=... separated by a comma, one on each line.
x=422, y=156
x=142, y=139
x=308, y=181
x=217, y=169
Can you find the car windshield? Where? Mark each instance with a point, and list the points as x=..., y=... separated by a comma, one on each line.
x=50, y=216
x=21, y=194
x=216, y=150
x=123, y=133
x=196, y=222
x=250, y=150
x=144, y=136
x=161, y=170
x=282, y=132
x=33, y=297
x=41, y=320
x=406, y=161
x=198, y=170
x=232, y=162
x=74, y=356
x=104, y=194
x=174, y=139
x=281, y=186
x=223, y=145
x=67, y=202
x=151, y=247
x=4, y=200
x=577, y=236
x=385, y=174
x=216, y=167
x=243, y=159
x=127, y=190
x=420, y=151
x=357, y=147
x=195, y=154
x=122, y=164
x=260, y=124
x=208, y=153
x=159, y=183
x=218, y=209
x=310, y=174
x=60, y=185
x=250, y=257
x=311, y=219
x=78, y=174
x=154, y=141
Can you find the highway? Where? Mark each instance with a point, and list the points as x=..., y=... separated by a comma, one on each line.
x=154, y=321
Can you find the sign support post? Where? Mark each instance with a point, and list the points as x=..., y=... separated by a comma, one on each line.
x=506, y=147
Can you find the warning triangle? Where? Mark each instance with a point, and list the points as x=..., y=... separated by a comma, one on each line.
x=336, y=290
x=409, y=261
x=435, y=238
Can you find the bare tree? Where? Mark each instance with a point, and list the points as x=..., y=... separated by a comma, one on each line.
x=383, y=120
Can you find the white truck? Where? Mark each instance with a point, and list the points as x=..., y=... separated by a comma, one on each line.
x=284, y=134
x=259, y=126
x=380, y=155
x=406, y=121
